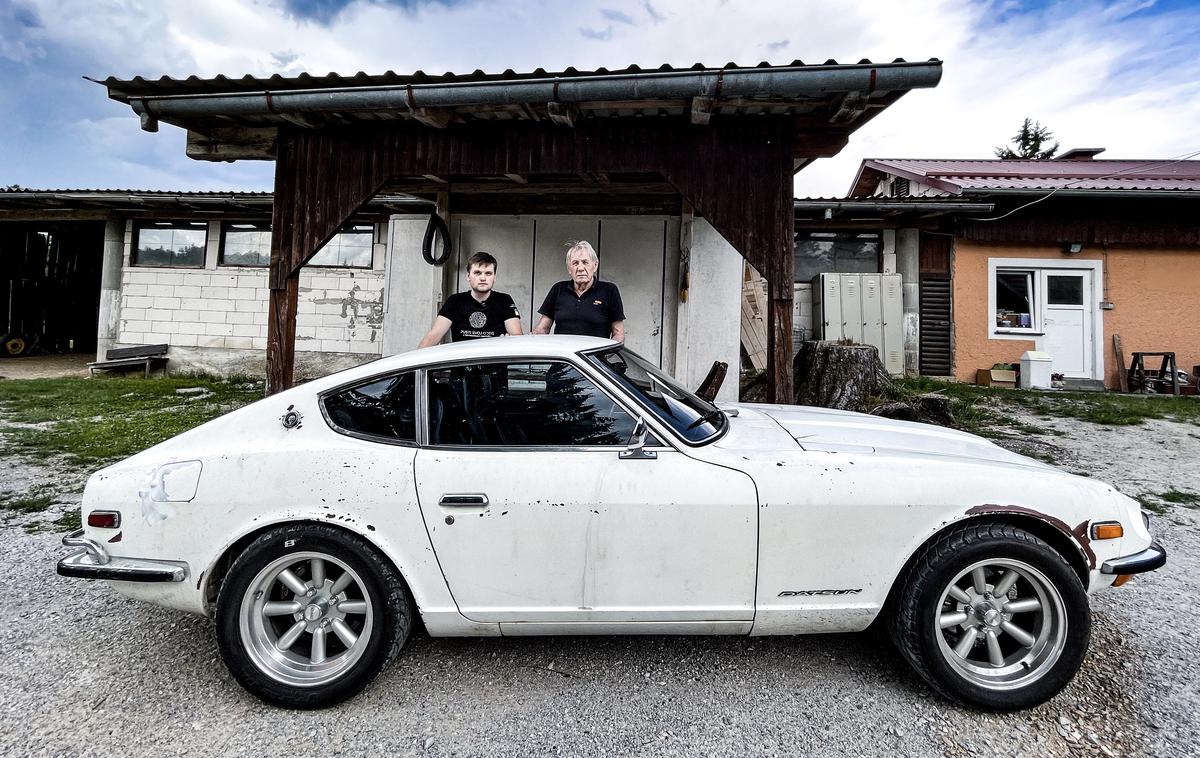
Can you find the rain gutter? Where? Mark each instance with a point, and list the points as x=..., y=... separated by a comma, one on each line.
x=868, y=205
x=780, y=82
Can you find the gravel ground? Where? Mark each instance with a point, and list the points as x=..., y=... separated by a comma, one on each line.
x=46, y=366
x=86, y=672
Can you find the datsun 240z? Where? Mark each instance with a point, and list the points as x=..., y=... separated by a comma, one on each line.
x=565, y=485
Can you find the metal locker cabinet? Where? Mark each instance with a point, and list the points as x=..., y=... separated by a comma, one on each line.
x=892, y=349
x=852, y=320
x=827, y=306
x=872, y=311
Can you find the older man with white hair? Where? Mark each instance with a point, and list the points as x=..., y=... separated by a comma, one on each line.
x=583, y=304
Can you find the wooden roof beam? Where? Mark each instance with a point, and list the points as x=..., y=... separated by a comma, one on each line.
x=563, y=114
x=848, y=109
x=438, y=118
x=701, y=110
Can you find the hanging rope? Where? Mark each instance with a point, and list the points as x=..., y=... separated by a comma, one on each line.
x=437, y=226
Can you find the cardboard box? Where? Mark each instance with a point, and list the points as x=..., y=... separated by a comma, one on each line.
x=993, y=377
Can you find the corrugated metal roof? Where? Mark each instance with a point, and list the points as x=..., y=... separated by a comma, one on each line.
x=167, y=201
x=981, y=176
x=121, y=89
x=838, y=96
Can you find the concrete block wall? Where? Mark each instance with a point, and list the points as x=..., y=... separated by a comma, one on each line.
x=340, y=311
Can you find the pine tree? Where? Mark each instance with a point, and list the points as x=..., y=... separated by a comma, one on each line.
x=1029, y=141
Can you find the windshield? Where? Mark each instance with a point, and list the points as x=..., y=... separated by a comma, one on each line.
x=693, y=418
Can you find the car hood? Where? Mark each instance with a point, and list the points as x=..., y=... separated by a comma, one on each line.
x=825, y=430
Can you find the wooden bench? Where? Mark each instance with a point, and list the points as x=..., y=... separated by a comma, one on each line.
x=121, y=358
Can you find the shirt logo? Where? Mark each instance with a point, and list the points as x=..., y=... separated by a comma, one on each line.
x=597, y=302
x=478, y=319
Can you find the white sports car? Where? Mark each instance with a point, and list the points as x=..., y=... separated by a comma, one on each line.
x=564, y=485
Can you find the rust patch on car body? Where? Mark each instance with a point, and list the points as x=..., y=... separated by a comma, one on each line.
x=1079, y=534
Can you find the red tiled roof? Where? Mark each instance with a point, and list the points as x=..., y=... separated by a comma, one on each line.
x=982, y=176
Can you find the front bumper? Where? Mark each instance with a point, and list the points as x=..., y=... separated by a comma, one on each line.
x=1149, y=559
x=92, y=561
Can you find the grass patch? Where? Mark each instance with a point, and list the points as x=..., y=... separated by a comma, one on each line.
x=1180, y=497
x=1153, y=505
x=98, y=420
x=69, y=521
x=1104, y=408
x=34, y=501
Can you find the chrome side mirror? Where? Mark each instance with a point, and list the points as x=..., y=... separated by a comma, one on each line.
x=635, y=449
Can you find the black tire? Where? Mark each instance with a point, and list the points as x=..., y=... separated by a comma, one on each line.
x=13, y=345
x=373, y=610
x=992, y=667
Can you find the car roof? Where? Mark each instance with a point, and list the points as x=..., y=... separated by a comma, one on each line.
x=524, y=346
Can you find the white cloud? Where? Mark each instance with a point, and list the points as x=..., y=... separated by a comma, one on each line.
x=1097, y=74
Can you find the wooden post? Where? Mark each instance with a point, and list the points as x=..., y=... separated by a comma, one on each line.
x=281, y=334
x=284, y=279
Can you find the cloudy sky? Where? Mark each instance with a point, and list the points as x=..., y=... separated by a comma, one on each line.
x=1120, y=75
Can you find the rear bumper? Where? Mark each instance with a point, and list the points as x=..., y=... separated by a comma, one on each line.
x=92, y=561
x=1149, y=559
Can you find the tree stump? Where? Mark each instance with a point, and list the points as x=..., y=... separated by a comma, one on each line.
x=834, y=375
x=930, y=408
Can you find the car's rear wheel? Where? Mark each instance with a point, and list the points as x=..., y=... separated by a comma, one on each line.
x=309, y=614
x=992, y=616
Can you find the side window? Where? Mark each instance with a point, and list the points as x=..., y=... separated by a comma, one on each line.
x=383, y=408
x=522, y=404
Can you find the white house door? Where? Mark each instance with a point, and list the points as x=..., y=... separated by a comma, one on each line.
x=1067, y=322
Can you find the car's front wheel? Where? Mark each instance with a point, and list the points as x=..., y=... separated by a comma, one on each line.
x=309, y=614
x=992, y=616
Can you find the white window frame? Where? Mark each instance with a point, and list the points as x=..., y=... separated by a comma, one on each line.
x=1041, y=267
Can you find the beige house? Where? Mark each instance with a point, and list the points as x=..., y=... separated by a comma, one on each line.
x=1077, y=251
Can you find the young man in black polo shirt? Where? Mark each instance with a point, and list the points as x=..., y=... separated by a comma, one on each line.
x=583, y=304
x=477, y=313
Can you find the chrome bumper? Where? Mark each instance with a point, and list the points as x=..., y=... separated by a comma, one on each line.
x=1149, y=559
x=92, y=561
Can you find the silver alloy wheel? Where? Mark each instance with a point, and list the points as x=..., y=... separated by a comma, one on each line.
x=305, y=619
x=1001, y=624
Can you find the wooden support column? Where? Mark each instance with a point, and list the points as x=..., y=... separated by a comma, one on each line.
x=317, y=189
x=284, y=279
x=281, y=334
x=749, y=201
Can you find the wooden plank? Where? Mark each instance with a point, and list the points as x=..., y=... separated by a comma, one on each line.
x=1122, y=369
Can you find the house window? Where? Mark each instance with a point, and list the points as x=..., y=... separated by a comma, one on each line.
x=246, y=243
x=900, y=187
x=349, y=248
x=843, y=252
x=176, y=244
x=1015, y=298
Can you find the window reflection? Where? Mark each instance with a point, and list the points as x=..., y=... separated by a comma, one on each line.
x=383, y=408
x=522, y=404
x=170, y=243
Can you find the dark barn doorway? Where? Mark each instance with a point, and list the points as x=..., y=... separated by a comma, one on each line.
x=49, y=286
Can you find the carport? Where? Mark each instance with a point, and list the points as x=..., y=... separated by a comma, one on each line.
x=722, y=143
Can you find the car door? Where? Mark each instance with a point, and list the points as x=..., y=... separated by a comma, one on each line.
x=537, y=519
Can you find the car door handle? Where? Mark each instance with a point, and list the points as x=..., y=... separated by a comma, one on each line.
x=460, y=501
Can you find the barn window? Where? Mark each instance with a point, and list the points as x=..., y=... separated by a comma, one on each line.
x=174, y=244
x=349, y=248
x=245, y=243
x=848, y=252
